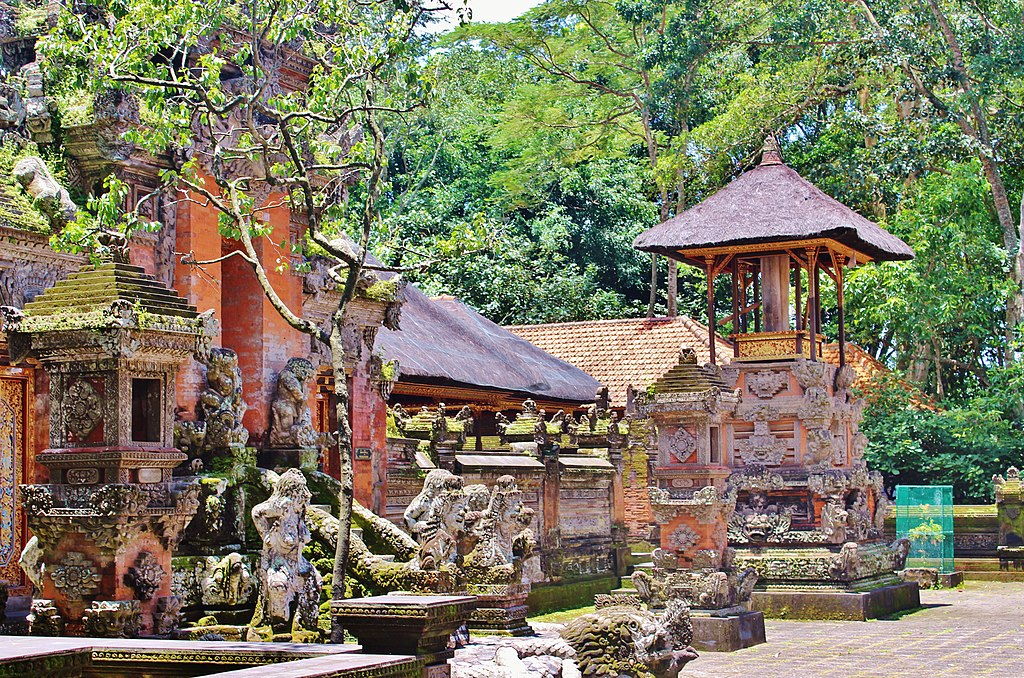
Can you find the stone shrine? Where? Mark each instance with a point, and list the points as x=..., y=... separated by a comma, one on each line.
x=778, y=429
x=111, y=339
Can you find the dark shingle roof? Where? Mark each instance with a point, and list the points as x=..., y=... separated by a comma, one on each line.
x=442, y=340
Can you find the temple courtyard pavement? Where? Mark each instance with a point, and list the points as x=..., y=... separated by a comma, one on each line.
x=977, y=630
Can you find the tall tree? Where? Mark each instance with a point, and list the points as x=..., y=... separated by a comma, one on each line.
x=962, y=61
x=209, y=78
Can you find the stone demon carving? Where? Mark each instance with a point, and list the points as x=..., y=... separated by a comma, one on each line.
x=759, y=520
x=487, y=529
x=290, y=583
x=626, y=641
x=445, y=522
x=291, y=423
x=714, y=583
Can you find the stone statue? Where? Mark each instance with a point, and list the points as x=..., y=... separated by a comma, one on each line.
x=497, y=526
x=221, y=405
x=416, y=513
x=290, y=583
x=834, y=521
x=445, y=522
x=291, y=423
x=49, y=197
x=626, y=641
x=225, y=581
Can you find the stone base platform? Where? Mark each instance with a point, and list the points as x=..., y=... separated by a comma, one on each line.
x=712, y=633
x=931, y=578
x=837, y=605
x=33, y=657
x=501, y=621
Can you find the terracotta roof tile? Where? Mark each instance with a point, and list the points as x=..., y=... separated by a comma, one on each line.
x=620, y=353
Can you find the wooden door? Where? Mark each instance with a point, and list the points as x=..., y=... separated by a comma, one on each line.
x=15, y=439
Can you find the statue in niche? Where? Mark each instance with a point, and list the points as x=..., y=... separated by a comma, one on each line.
x=291, y=422
x=290, y=583
x=858, y=518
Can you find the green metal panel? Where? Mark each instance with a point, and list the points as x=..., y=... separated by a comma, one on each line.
x=924, y=515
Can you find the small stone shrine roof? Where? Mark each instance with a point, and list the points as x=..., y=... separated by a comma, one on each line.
x=85, y=297
x=443, y=341
x=768, y=204
x=686, y=376
x=629, y=352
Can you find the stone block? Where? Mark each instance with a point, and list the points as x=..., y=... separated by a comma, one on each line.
x=727, y=634
x=405, y=624
x=837, y=605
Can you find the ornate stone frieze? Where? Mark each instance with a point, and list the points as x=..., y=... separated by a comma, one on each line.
x=762, y=446
x=145, y=576
x=759, y=521
x=766, y=383
x=113, y=619
x=75, y=576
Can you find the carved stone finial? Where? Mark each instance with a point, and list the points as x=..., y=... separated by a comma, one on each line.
x=770, y=153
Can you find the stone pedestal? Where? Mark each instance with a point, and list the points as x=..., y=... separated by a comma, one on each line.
x=501, y=609
x=714, y=632
x=406, y=625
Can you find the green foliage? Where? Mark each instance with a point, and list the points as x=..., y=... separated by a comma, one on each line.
x=962, y=446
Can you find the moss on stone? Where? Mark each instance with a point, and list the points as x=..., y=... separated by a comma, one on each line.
x=385, y=291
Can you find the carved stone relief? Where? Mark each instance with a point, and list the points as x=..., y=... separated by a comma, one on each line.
x=75, y=576
x=82, y=407
x=766, y=383
x=145, y=576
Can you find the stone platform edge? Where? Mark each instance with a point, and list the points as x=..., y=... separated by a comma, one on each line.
x=837, y=605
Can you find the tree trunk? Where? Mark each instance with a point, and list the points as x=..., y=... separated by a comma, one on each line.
x=344, y=434
x=1012, y=243
x=673, y=287
x=654, y=285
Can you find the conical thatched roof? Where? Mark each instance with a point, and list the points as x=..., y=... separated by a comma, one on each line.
x=771, y=204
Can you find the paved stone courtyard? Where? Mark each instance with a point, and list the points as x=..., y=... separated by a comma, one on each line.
x=974, y=631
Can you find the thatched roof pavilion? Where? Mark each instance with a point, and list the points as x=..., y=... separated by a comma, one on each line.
x=767, y=224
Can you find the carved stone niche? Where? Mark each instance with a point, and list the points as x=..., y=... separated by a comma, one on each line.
x=111, y=339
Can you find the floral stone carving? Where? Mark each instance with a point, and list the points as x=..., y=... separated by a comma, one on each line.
x=682, y=538
x=83, y=408
x=145, y=576
x=290, y=583
x=75, y=576
x=681, y=445
x=167, y=617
